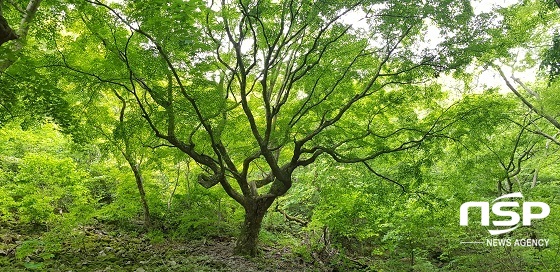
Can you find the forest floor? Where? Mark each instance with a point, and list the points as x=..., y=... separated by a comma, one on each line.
x=97, y=249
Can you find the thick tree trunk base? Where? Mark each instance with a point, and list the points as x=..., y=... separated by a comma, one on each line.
x=247, y=244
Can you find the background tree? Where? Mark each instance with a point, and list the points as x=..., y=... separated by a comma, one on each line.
x=26, y=94
x=124, y=137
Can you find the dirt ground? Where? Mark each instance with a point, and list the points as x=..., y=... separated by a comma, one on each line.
x=98, y=250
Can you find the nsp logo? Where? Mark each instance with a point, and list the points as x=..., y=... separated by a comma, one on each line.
x=513, y=222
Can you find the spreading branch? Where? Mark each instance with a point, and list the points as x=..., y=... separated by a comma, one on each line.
x=291, y=218
x=525, y=101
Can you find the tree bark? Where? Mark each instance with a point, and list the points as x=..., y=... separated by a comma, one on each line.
x=6, y=32
x=535, y=176
x=549, y=118
x=21, y=33
x=254, y=214
x=140, y=184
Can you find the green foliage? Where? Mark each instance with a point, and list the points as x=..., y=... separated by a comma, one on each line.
x=113, y=110
x=199, y=213
x=43, y=183
x=551, y=58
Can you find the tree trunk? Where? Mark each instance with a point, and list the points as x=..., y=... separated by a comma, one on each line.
x=21, y=33
x=140, y=184
x=6, y=32
x=254, y=214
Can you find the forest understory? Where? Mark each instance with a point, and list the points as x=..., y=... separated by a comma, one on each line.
x=104, y=248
